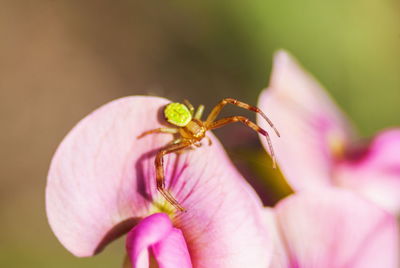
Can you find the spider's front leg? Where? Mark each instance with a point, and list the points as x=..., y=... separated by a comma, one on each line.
x=160, y=178
x=224, y=121
x=217, y=109
x=159, y=130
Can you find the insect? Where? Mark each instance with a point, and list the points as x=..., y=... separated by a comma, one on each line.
x=191, y=130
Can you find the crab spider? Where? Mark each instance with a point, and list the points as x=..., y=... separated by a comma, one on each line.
x=191, y=130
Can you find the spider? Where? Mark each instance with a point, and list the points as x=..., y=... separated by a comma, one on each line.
x=191, y=130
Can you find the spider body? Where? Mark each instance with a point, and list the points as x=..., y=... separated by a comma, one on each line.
x=177, y=114
x=191, y=130
x=195, y=129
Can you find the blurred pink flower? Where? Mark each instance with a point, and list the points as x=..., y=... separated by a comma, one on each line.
x=318, y=146
x=332, y=228
x=101, y=183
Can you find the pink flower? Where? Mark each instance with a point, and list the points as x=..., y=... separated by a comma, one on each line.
x=101, y=184
x=318, y=146
x=332, y=228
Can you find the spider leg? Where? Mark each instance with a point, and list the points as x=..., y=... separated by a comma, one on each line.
x=176, y=141
x=199, y=112
x=159, y=130
x=247, y=122
x=217, y=109
x=160, y=179
x=209, y=141
x=198, y=144
x=190, y=106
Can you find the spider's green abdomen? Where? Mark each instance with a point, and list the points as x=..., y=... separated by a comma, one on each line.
x=177, y=114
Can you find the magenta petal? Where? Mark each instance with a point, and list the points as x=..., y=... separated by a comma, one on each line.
x=155, y=235
x=102, y=178
x=172, y=251
x=376, y=173
x=312, y=127
x=335, y=228
x=148, y=232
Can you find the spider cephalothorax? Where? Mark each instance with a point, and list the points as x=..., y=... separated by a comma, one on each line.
x=191, y=130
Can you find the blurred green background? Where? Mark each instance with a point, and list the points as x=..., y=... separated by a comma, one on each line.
x=59, y=60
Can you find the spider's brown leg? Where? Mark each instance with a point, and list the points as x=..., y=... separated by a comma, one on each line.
x=198, y=144
x=190, y=106
x=247, y=122
x=159, y=130
x=199, y=112
x=209, y=141
x=217, y=109
x=159, y=163
x=176, y=141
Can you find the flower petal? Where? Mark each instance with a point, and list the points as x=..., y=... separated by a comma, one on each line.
x=223, y=225
x=280, y=256
x=157, y=235
x=335, y=228
x=102, y=176
x=312, y=128
x=376, y=173
x=92, y=183
x=149, y=231
x=172, y=251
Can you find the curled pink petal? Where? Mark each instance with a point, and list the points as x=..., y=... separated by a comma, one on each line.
x=148, y=232
x=334, y=228
x=376, y=172
x=102, y=181
x=312, y=128
x=172, y=251
x=156, y=236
